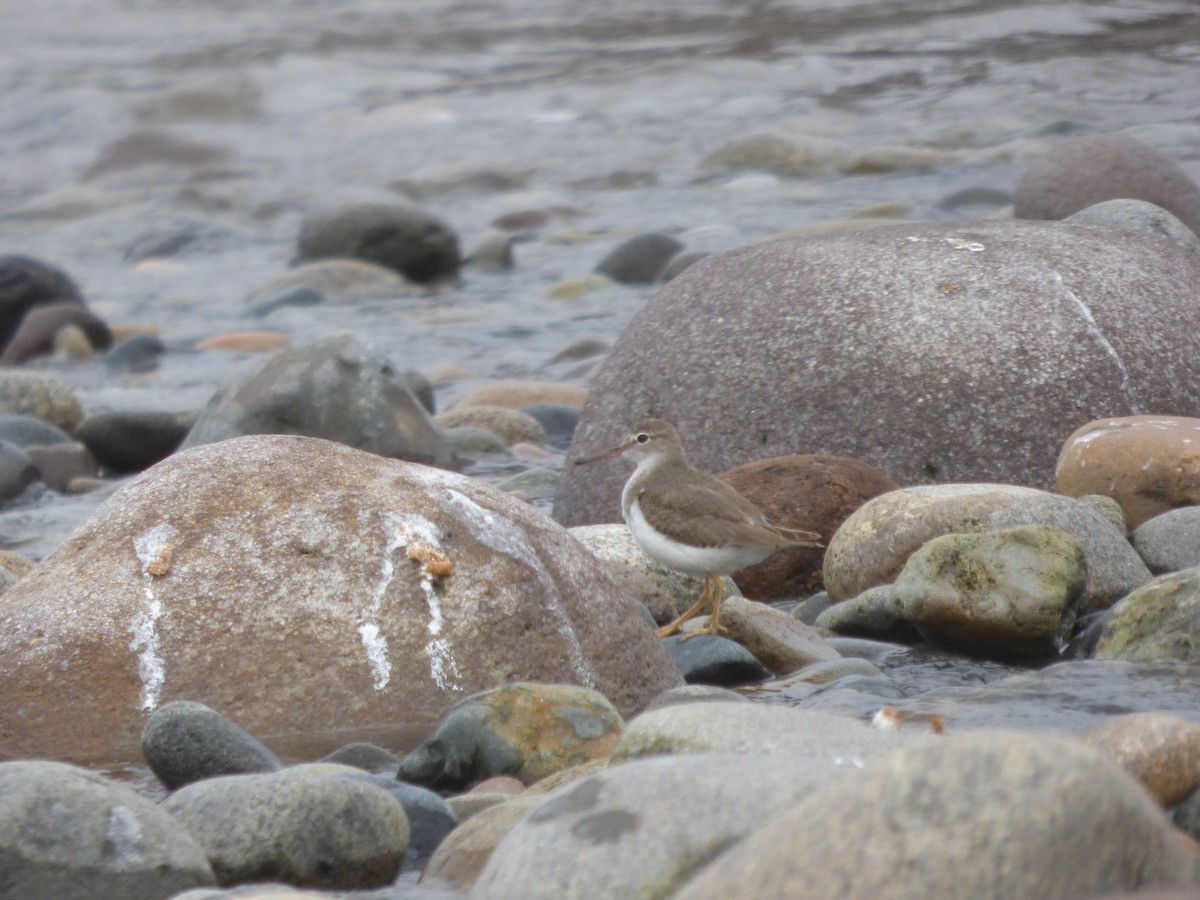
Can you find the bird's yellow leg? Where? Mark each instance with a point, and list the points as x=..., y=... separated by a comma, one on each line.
x=713, y=625
x=674, y=626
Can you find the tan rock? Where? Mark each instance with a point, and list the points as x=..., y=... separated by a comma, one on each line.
x=460, y=858
x=1160, y=750
x=515, y=394
x=310, y=592
x=511, y=425
x=245, y=342
x=1148, y=464
x=40, y=396
x=780, y=642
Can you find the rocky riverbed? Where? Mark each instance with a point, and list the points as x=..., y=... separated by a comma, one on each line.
x=308, y=312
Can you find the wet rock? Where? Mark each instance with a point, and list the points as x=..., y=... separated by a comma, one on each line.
x=709, y=659
x=430, y=818
x=1160, y=750
x=753, y=728
x=1187, y=816
x=874, y=543
x=40, y=396
x=147, y=147
x=680, y=262
x=1079, y=172
x=884, y=160
x=475, y=444
x=810, y=492
x=299, y=826
x=1171, y=541
x=1159, y=621
x=519, y=394
x=366, y=756
x=643, y=828
x=1146, y=463
x=533, y=219
x=422, y=389
x=695, y=693
x=1006, y=593
x=60, y=465
x=1032, y=795
x=185, y=741
x=874, y=613
x=511, y=425
x=26, y=431
x=41, y=325
x=1138, y=215
x=964, y=202
x=67, y=833
x=640, y=259
x=525, y=730
x=17, y=471
x=466, y=850
x=226, y=100
x=558, y=419
x=809, y=609
x=779, y=154
x=581, y=286
x=293, y=583
x=346, y=280
x=131, y=441
x=495, y=254
x=27, y=283
x=780, y=642
x=534, y=485
x=339, y=389
x=810, y=320
x=671, y=592
x=405, y=239
x=139, y=353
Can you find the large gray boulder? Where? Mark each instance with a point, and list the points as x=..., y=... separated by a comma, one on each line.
x=936, y=352
x=337, y=388
x=69, y=834
x=311, y=593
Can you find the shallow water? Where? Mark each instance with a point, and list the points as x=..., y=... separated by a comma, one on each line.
x=322, y=102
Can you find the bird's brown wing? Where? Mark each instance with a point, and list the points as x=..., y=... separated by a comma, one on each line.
x=715, y=511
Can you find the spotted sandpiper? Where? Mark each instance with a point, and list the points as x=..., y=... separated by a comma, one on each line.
x=691, y=522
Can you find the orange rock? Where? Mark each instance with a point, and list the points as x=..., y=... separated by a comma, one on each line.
x=1148, y=464
x=515, y=394
x=245, y=342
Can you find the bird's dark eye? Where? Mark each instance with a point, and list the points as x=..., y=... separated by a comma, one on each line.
x=642, y=438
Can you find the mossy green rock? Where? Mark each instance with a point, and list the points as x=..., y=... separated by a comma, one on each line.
x=1004, y=593
x=1158, y=621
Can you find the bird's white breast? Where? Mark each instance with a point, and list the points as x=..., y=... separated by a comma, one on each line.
x=697, y=561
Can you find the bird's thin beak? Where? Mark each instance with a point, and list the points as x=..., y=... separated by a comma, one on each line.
x=607, y=454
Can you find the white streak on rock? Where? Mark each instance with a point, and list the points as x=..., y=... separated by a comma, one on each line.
x=123, y=841
x=151, y=670
x=1135, y=407
x=510, y=539
x=402, y=529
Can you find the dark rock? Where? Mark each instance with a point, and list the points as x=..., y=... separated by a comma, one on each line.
x=985, y=198
x=1171, y=541
x=1187, y=815
x=523, y=729
x=132, y=441
x=300, y=826
x=808, y=610
x=66, y=833
x=640, y=259
x=1079, y=172
x=430, y=818
x=300, y=295
x=405, y=239
x=422, y=389
x=808, y=492
x=472, y=445
x=26, y=283
x=679, y=262
x=1088, y=630
x=709, y=659
x=153, y=148
x=186, y=741
x=948, y=325
x=26, y=431
x=40, y=326
x=338, y=389
x=17, y=471
x=495, y=254
x=871, y=614
x=559, y=420
x=368, y=757
x=139, y=353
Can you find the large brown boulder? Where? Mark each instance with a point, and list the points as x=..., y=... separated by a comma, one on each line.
x=1081, y=171
x=311, y=592
x=806, y=491
x=944, y=352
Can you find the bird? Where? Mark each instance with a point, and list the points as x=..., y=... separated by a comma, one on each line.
x=691, y=522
